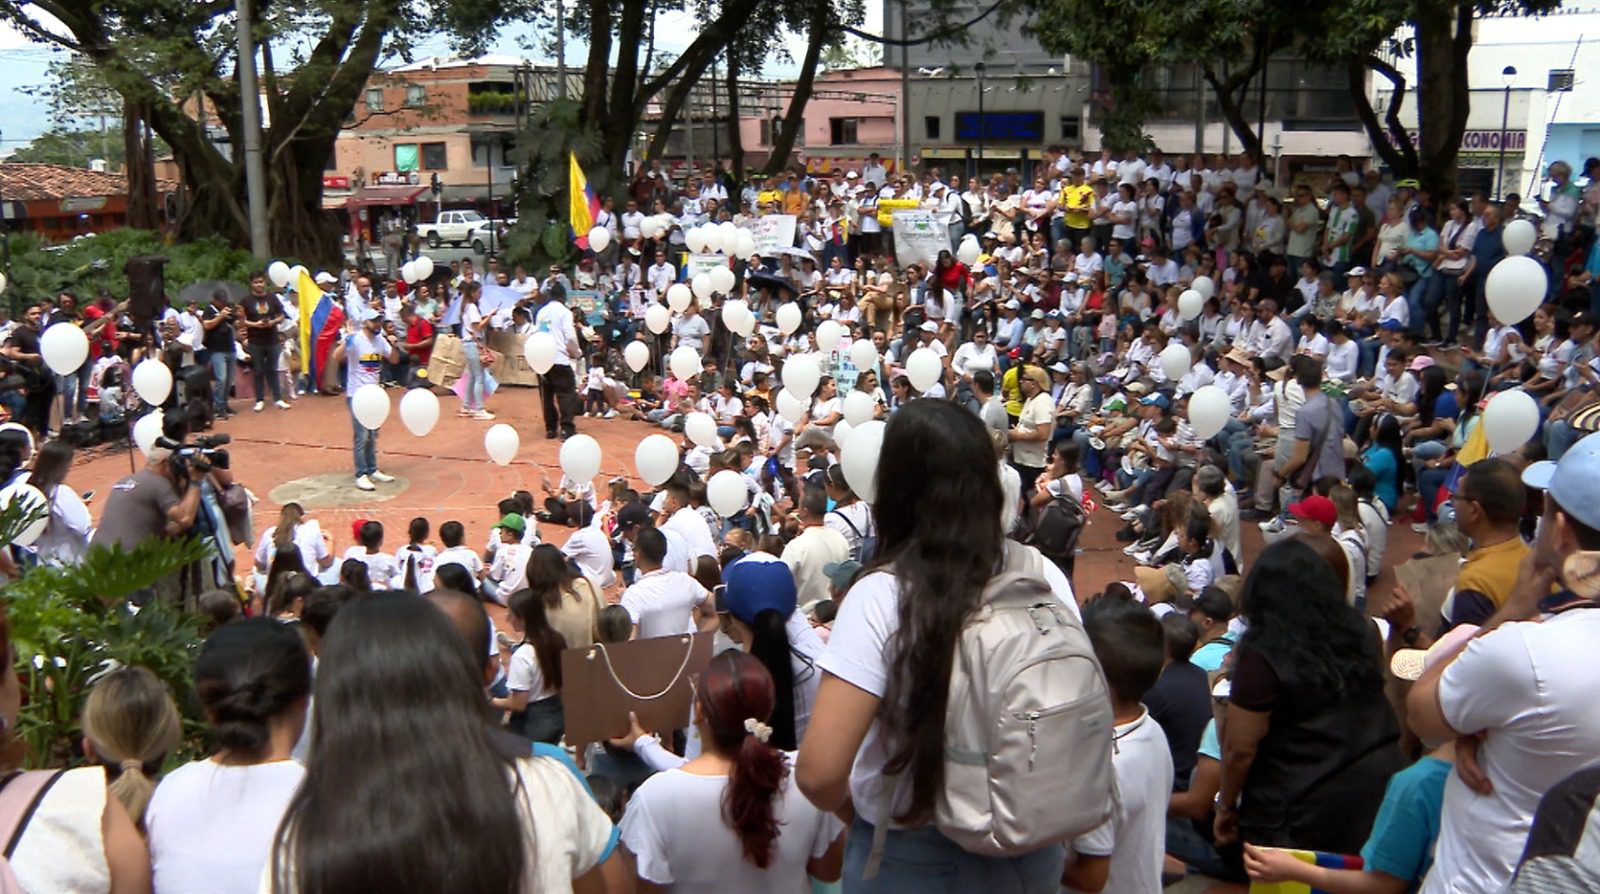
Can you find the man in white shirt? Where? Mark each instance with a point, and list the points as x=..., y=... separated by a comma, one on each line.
x=661, y=275
x=816, y=547
x=590, y=548
x=684, y=520
x=662, y=602
x=558, y=387
x=1523, y=691
x=874, y=172
x=1277, y=340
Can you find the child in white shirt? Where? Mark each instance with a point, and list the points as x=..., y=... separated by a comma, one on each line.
x=594, y=387
x=381, y=566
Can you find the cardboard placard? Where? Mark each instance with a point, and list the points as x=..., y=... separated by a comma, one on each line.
x=596, y=703
x=1428, y=581
x=510, y=366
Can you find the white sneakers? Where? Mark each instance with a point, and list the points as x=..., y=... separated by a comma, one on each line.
x=260, y=405
x=365, y=483
x=483, y=415
x=282, y=405
x=381, y=478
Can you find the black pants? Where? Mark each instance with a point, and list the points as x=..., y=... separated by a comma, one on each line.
x=558, y=392
x=264, y=371
x=36, y=409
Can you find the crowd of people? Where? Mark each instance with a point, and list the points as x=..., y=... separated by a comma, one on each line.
x=906, y=688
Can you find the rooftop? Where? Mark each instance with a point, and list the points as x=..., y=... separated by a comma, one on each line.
x=21, y=182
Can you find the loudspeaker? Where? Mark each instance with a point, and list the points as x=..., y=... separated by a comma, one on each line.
x=147, y=286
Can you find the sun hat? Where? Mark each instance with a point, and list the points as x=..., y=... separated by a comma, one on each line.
x=1411, y=664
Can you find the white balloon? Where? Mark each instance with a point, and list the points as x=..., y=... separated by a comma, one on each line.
x=747, y=324
x=370, y=405
x=790, y=407
x=722, y=279
x=1515, y=288
x=278, y=272
x=424, y=267
x=656, y=458
x=419, y=411
x=1190, y=304
x=502, y=442
x=146, y=430
x=657, y=318
x=33, y=500
x=1209, y=408
x=923, y=368
x=788, y=317
x=860, y=459
x=1175, y=360
x=64, y=348
x=684, y=363
x=636, y=355
x=3, y=282
x=540, y=352
x=726, y=492
x=1204, y=285
x=580, y=458
x=858, y=407
x=863, y=355
x=712, y=237
x=1510, y=420
x=408, y=271
x=599, y=239
x=296, y=272
x=678, y=297
x=801, y=376
x=828, y=334
x=747, y=244
x=695, y=240
x=730, y=236
x=1519, y=237
x=733, y=310
x=841, y=431
x=967, y=252
x=152, y=381
x=701, y=284
x=701, y=429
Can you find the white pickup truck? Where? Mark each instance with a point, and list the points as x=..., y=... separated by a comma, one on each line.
x=464, y=228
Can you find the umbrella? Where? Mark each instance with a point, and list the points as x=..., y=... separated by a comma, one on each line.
x=200, y=292
x=771, y=281
x=796, y=253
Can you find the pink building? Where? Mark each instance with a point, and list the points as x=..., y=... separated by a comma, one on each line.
x=852, y=113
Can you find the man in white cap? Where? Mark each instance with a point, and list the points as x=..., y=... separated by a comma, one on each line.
x=365, y=351
x=1521, y=696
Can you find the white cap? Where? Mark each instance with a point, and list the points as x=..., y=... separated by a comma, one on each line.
x=324, y=277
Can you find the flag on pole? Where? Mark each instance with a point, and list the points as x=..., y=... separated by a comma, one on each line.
x=584, y=206
x=320, y=319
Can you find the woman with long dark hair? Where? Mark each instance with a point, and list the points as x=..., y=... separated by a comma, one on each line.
x=879, y=722
x=572, y=602
x=765, y=836
x=1310, y=741
x=1436, y=461
x=758, y=609
x=211, y=821
x=533, y=682
x=66, y=534
x=409, y=787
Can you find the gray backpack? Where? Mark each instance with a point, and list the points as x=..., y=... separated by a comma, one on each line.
x=1028, y=723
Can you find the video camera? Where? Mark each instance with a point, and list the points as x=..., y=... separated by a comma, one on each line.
x=203, y=454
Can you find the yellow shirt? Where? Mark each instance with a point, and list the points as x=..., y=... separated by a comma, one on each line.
x=1078, y=201
x=794, y=201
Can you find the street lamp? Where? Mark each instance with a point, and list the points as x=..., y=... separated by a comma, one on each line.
x=983, y=124
x=1508, y=76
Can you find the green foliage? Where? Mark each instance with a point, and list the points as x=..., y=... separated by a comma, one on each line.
x=492, y=102
x=542, y=234
x=69, y=624
x=95, y=262
x=76, y=147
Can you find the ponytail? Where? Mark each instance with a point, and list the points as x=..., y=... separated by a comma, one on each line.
x=133, y=787
x=770, y=645
x=132, y=725
x=411, y=570
x=288, y=518
x=735, y=698
x=759, y=771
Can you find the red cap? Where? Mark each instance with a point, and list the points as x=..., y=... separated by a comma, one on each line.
x=355, y=528
x=1317, y=509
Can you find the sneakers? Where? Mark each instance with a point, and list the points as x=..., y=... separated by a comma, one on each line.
x=260, y=405
x=381, y=478
x=483, y=415
x=610, y=414
x=1143, y=557
x=281, y=404
x=465, y=412
x=1132, y=548
x=1420, y=527
x=1275, y=526
x=365, y=483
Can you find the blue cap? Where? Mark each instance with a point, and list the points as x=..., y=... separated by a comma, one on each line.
x=1574, y=482
x=1392, y=325
x=1157, y=399
x=756, y=583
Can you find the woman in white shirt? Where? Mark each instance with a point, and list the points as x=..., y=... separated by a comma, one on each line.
x=1391, y=235
x=474, y=325
x=1124, y=214
x=211, y=821
x=732, y=819
x=533, y=681
x=416, y=790
x=293, y=531
x=66, y=533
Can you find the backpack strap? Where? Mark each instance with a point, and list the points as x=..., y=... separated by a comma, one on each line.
x=846, y=519
x=20, y=796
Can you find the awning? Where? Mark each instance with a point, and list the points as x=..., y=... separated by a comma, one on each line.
x=385, y=195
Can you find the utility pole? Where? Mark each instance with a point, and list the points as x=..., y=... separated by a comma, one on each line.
x=255, y=176
x=905, y=90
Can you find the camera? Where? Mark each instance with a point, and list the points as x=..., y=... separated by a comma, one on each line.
x=202, y=454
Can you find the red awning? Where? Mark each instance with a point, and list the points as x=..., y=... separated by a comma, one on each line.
x=385, y=195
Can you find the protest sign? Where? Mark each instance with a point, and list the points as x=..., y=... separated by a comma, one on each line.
x=588, y=305
x=919, y=237
x=494, y=297
x=702, y=263
x=601, y=683
x=887, y=208
x=771, y=232
x=510, y=366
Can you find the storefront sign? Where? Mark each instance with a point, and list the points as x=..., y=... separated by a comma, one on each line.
x=335, y=182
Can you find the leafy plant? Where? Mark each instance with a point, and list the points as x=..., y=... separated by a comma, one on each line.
x=94, y=262
x=70, y=624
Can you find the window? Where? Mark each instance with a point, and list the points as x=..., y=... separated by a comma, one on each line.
x=374, y=99
x=1561, y=80
x=1070, y=127
x=405, y=156
x=434, y=158
x=841, y=131
x=930, y=126
x=416, y=95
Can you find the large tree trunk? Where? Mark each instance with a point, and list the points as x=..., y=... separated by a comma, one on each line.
x=143, y=213
x=1388, y=137
x=1443, y=99
x=794, y=119
x=735, y=136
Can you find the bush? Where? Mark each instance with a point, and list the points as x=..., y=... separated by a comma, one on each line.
x=87, y=265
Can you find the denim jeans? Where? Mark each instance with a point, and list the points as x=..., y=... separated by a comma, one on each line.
x=923, y=861
x=366, y=445
x=472, y=393
x=1559, y=436
x=75, y=390
x=222, y=365
x=1423, y=306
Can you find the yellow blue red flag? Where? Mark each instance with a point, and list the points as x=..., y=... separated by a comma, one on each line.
x=584, y=205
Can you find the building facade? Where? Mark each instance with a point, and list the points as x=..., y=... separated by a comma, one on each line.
x=59, y=202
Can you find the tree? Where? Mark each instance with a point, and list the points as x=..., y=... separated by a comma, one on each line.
x=161, y=56
x=76, y=147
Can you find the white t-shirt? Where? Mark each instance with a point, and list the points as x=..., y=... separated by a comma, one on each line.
x=471, y=316
x=307, y=538
x=853, y=522
x=662, y=602
x=674, y=826
x=459, y=555
x=859, y=653
x=524, y=675
x=381, y=568
x=691, y=526
x=591, y=549
x=510, y=567
x=1135, y=836
x=424, y=556
x=211, y=827
x=1531, y=686
x=1037, y=415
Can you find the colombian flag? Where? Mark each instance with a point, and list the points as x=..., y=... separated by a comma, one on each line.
x=584, y=205
x=320, y=319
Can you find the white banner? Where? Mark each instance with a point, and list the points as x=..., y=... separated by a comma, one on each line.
x=919, y=237
x=702, y=263
x=772, y=232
